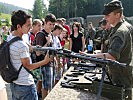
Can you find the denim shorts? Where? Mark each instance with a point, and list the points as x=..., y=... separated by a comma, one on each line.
x=23, y=92
x=47, y=77
x=58, y=74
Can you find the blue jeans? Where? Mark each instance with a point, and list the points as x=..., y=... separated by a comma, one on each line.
x=23, y=92
x=47, y=73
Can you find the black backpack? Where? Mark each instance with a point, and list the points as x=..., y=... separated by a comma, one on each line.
x=7, y=70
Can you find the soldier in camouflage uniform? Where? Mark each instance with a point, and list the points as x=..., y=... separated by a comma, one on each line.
x=120, y=47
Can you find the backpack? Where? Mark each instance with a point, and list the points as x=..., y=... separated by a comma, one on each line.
x=7, y=70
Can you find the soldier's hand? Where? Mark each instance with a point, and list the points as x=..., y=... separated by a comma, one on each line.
x=83, y=53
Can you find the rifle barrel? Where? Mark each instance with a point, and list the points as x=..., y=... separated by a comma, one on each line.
x=70, y=54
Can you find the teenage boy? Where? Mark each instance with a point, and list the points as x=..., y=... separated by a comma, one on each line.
x=23, y=88
x=44, y=38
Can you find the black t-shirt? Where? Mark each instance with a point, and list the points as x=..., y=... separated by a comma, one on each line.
x=41, y=40
x=76, y=42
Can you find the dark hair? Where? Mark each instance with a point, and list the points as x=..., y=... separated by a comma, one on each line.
x=50, y=17
x=43, y=21
x=19, y=17
x=66, y=37
x=12, y=28
x=90, y=23
x=77, y=24
x=58, y=26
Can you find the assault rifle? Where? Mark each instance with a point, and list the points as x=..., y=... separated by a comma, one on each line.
x=100, y=61
x=69, y=54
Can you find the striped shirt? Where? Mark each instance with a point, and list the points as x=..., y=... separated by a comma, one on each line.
x=56, y=42
x=18, y=50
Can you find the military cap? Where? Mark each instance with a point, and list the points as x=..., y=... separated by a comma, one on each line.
x=111, y=6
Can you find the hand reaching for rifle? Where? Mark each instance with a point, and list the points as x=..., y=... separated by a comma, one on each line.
x=47, y=58
x=81, y=52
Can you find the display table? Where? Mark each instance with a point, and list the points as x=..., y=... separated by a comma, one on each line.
x=60, y=93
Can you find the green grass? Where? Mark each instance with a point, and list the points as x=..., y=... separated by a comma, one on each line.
x=5, y=16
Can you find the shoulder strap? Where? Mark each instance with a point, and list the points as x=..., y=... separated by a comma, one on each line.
x=14, y=39
x=10, y=42
x=20, y=68
x=30, y=72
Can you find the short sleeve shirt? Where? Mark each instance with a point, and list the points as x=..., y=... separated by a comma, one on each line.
x=120, y=47
x=18, y=50
x=120, y=44
x=56, y=42
x=40, y=38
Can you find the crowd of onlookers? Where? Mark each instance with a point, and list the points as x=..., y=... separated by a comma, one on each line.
x=56, y=33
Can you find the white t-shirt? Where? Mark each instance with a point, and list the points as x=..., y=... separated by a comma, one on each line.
x=56, y=42
x=18, y=50
x=2, y=84
x=26, y=38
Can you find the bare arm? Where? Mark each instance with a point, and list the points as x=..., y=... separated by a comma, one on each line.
x=70, y=44
x=103, y=55
x=83, y=43
x=26, y=62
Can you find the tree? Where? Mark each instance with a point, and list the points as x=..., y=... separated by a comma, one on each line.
x=8, y=8
x=82, y=8
x=56, y=7
x=39, y=9
x=44, y=9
